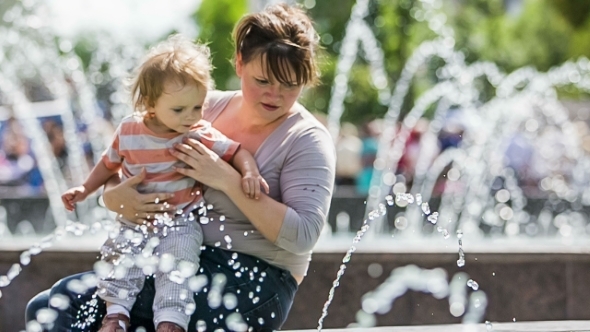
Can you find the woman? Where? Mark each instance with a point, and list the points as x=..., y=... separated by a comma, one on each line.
x=257, y=251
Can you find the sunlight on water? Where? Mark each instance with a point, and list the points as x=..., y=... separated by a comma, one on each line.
x=459, y=214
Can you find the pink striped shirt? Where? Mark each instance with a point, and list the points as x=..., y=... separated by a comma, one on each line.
x=135, y=146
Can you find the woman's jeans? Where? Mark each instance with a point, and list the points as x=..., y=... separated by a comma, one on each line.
x=246, y=291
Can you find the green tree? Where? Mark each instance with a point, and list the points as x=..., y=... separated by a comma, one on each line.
x=216, y=20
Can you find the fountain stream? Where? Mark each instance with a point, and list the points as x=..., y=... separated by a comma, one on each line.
x=477, y=164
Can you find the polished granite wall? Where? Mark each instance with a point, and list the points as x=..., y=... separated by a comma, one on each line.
x=521, y=287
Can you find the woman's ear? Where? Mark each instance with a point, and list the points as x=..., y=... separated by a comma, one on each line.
x=239, y=65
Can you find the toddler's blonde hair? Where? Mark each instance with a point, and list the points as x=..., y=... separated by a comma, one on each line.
x=176, y=59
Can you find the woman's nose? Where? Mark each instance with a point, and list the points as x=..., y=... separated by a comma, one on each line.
x=274, y=90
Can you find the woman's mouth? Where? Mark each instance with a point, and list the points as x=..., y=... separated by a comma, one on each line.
x=270, y=107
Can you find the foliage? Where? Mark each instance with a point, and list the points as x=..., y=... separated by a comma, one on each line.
x=510, y=33
x=216, y=19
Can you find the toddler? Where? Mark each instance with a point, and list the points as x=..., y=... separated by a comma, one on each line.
x=168, y=91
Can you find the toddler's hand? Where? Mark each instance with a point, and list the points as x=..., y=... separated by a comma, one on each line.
x=251, y=184
x=73, y=196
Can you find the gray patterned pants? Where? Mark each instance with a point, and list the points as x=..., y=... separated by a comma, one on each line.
x=171, y=255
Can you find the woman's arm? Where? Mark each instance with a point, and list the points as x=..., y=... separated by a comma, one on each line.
x=206, y=167
x=123, y=198
x=307, y=180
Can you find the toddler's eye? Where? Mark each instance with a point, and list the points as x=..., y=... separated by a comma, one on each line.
x=177, y=110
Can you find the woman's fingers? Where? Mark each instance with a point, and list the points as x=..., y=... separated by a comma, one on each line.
x=194, y=144
x=135, y=180
x=156, y=198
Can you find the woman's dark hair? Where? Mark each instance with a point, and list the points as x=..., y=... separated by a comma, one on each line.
x=284, y=35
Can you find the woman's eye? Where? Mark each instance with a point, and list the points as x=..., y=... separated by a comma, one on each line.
x=261, y=81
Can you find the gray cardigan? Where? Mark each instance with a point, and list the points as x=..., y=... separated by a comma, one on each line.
x=298, y=162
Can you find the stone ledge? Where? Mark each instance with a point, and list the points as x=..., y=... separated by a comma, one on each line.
x=546, y=326
x=526, y=286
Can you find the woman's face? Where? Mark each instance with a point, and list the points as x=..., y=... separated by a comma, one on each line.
x=263, y=93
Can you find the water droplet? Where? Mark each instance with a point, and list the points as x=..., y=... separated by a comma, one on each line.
x=401, y=223
x=389, y=200
x=489, y=326
x=272, y=314
x=246, y=233
x=418, y=199
x=4, y=281
x=204, y=220
x=446, y=234
x=14, y=271
x=235, y=322
x=255, y=300
x=261, y=321
x=461, y=262
x=25, y=258
x=123, y=294
x=156, y=201
x=46, y=316
x=221, y=218
x=217, y=244
x=209, y=207
x=196, y=283
x=59, y=301
x=201, y=326
x=473, y=284
x=425, y=208
x=221, y=228
x=190, y=309
x=433, y=218
x=227, y=238
x=166, y=263
x=34, y=326
x=230, y=301
x=459, y=234
x=35, y=249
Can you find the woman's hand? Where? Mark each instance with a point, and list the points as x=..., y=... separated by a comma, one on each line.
x=205, y=166
x=124, y=199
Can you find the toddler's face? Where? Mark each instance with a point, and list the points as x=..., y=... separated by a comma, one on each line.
x=178, y=108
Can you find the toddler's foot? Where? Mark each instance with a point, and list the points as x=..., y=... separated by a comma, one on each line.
x=169, y=327
x=115, y=323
